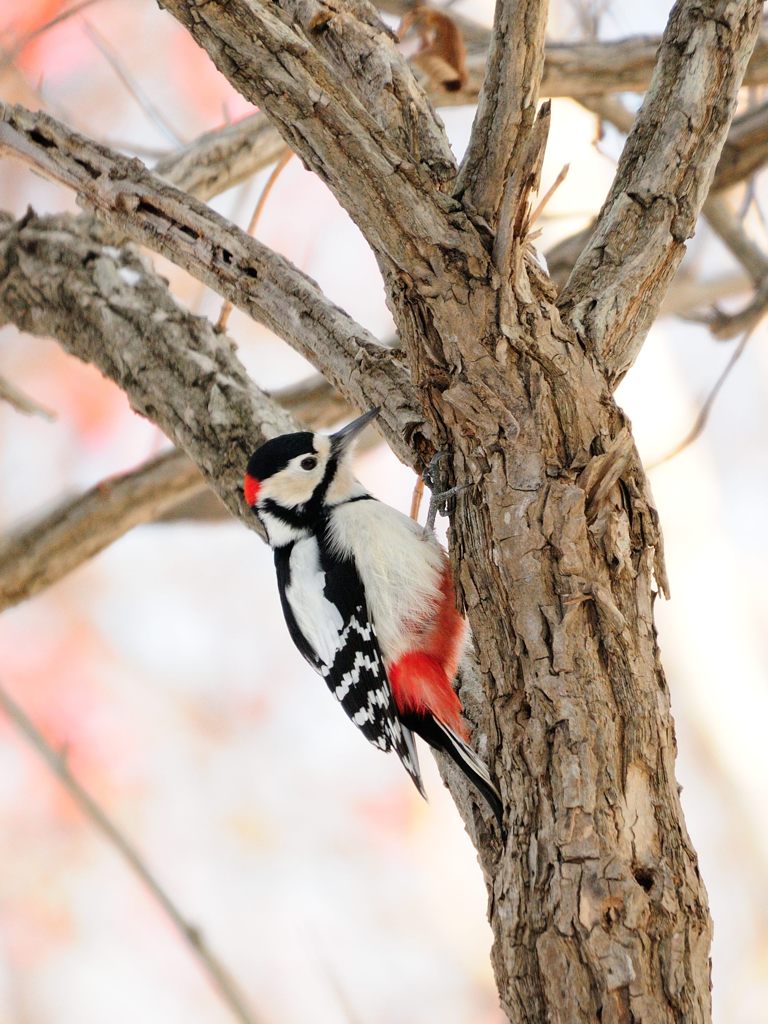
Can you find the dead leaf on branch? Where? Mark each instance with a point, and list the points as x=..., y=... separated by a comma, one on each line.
x=441, y=55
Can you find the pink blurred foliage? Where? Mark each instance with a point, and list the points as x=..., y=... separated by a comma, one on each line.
x=392, y=813
x=54, y=52
x=34, y=923
x=92, y=406
x=54, y=669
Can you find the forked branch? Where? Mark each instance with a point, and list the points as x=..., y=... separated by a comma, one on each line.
x=260, y=282
x=280, y=63
x=664, y=175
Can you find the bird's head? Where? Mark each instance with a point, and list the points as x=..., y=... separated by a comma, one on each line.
x=299, y=473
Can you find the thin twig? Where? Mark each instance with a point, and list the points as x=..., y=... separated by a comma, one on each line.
x=100, y=819
x=226, y=309
x=706, y=409
x=548, y=194
x=23, y=403
x=154, y=114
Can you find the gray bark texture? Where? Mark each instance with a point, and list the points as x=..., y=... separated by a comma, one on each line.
x=595, y=900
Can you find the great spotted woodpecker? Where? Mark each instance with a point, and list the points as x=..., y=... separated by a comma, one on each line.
x=367, y=596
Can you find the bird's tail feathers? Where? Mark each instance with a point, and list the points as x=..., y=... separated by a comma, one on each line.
x=467, y=760
x=410, y=759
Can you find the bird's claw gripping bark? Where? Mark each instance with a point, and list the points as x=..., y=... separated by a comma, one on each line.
x=438, y=500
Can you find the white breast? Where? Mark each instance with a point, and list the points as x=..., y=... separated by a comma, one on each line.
x=400, y=567
x=318, y=618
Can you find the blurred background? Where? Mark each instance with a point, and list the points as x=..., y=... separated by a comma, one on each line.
x=330, y=890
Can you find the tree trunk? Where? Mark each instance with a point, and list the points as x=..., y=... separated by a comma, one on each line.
x=595, y=900
x=596, y=903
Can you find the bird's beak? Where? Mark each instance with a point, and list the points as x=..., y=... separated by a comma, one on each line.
x=343, y=439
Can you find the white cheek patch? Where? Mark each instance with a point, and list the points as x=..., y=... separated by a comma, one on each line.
x=293, y=485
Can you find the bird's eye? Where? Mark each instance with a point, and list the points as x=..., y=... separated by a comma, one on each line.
x=309, y=463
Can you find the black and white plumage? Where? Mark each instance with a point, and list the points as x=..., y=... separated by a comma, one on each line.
x=367, y=596
x=325, y=609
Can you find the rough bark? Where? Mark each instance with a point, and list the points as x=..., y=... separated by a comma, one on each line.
x=140, y=206
x=595, y=899
x=506, y=108
x=665, y=171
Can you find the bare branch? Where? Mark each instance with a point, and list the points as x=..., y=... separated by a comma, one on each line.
x=580, y=69
x=506, y=107
x=258, y=281
x=106, y=307
x=362, y=52
x=60, y=541
x=277, y=170
x=274, y=61
x=745, y=150
x=716, y=211
x=729, y=229
x=619, y=65
x=690, y=294
x=738, y=161
x=514, y=213
x=216, y=971
x=169, y=487
x=223, y=158
x=662, y=179
x=313, y=402
x=576, y=69
x=725, y=326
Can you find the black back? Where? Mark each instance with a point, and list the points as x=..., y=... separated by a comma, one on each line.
x=356, y=675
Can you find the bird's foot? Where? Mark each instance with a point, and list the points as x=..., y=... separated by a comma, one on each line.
x=438, y=501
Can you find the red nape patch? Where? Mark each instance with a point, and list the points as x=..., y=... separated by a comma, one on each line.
x=251, y=488
x=419, y=684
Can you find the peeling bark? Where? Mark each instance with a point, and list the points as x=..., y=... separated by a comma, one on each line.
x=595, y=899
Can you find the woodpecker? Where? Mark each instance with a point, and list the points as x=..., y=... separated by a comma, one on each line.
x=367, y=596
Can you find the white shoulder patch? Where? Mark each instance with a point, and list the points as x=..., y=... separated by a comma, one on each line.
x=318, y=618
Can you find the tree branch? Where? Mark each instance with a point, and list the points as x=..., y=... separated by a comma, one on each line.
x=737, y=161
x=389, y=193
x=215, y=970
x=78, y=529
x=662, y=180
x=223, y=158
x=507, y=105
x=107, y=308
x=362, y=53
x=168, y=487
x=718, y=215
x=260, y=282
x=745, y=150
x=574, y=69
x=619, y=65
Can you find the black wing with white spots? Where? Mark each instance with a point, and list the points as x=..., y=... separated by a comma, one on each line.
x=325, y=609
